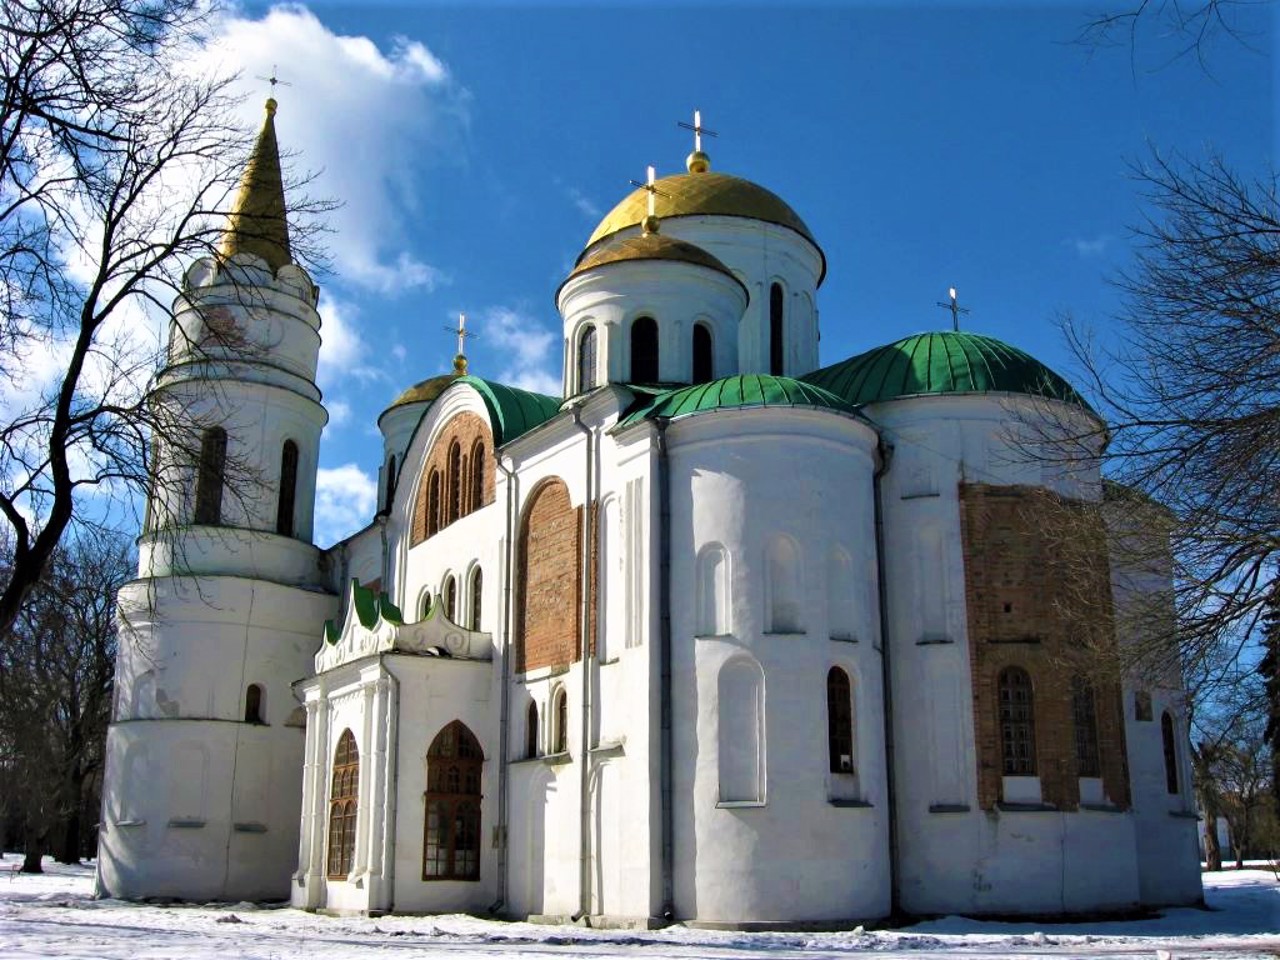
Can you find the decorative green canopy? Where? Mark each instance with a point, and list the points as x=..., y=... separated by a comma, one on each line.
x=512, y=412
x=946, y=362
x=743, y=390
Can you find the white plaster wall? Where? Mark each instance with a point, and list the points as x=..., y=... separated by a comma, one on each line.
x=198, y=803
x=795, y=856
x=397, y=425
x=954, y=856
x=759, y=254
x=675, y=294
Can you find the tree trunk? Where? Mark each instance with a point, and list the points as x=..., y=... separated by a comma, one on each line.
x=69, y=841
x=1212, y=850
x=34, y=850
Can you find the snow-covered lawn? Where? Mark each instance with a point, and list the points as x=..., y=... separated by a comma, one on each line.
x=55, y=915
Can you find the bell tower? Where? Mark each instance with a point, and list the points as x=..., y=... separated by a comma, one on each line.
x=204, y=753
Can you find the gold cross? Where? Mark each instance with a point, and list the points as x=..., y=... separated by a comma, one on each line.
x=462, y=333
x=954, y=306
x=698, y=130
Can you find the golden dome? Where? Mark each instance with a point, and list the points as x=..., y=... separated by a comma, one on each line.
x=694, y=194
x=425, y=391
x=648, y=246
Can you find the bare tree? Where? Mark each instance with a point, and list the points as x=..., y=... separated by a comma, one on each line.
x=117, y=164
x=55, y=692
x=1190, y=25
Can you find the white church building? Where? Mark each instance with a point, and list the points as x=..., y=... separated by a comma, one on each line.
x=721, y=635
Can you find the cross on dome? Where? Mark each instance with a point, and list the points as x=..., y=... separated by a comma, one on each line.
x=274, y=80
x=463, y=334
x=697, y=162
x=954, y=306
x=650, y=223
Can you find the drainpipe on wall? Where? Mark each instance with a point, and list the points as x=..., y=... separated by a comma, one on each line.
x=584, y=779
x=885, y=454
x=504, y=721
x=390, y=786
x=664, y=685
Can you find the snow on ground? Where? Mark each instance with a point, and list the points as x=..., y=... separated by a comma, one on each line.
x=55, y=915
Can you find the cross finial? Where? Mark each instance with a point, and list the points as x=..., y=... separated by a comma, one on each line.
x=650, y=186
x=698, y=130
x=462, y=333
x=275, y=80
x=954, y=306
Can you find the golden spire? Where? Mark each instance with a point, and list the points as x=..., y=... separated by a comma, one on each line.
x=257, y=222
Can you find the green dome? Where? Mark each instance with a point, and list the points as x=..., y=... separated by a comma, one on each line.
x=942, y=363
x=743, y=390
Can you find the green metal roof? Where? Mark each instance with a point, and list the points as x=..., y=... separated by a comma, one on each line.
x=743, y=390
x=946, y=362
x=512, y=412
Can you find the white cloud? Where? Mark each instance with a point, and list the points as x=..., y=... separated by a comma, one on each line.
x=339, y=412
x=363, y=118
x=1094, y=247
x=527, y=346
x=345, y=500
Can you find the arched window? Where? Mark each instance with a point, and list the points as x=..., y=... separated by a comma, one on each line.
x=425, y=606
x=476, y=591
x=288, y=488
x=454, y=486
x=777, y=340
x=560, y=721
x=476, y=477
x=433, y=503
x=1017, y=723
x=342, y=806
x=1170, y=752
x=713, y=592
x=1085, y=714
x=587, y=359
x=450, y=594
x=839, y=721
x=391, y=481
x=703, y=365
x=253, y=704
x=644, y=350
x=451, y=839
x=740, y=691
x=783, y=588
x=209, y=479
x=531, y=730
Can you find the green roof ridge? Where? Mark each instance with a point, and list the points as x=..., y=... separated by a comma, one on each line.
x=738, y=391
x=940, y=363
x=512, y=411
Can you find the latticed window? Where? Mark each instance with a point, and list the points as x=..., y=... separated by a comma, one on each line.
x=587, y=359
x=1085, y=714
x=477, y=597
x=1170, y=752
x=476, y=477
x=1017, y=723
x=450, y=592
x=451, y=839
x=560, y=721
x=433, y=503
x=342, y=806
x=391, y=480
x=839, y=721
x=454, y=494
x=531, y=730
x=210, y=475
x=288, y=488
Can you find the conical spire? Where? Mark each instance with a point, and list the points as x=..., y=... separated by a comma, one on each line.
x=257, y=222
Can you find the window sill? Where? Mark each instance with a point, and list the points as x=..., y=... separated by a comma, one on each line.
x=713, y=636
x=948, y=808
x=186, y=823
x=250, y=827
x=557, y=759
x=919, y=496
x=1026, y=807
x=738, y=804
x=1184, y=814
x=850, y=803
x=450, y=879
x=844, y=639
x=786, y=633
x=131, y=823
x=933, y=641
x=1102, y=808
x=518, y=760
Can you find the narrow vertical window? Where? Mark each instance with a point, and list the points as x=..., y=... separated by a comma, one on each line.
x=476, y=477
x=1170, y=753
x=703, y=367
x=213, y=464
x=288, y=488
x=433, y=503
x=450, y=595
x=783, y=588
x=391, y=481
x=587, y=359
x=713, y=590
x=560, y=721
x=777, y=341
x=477, y=589
x=453, y=488
x=1016, y=711
x=1085, y=715
x=740, y=739
x=451, y=834
x=253, y=704
x=644, y=350
x=342, y=806
x=531, y=730
x=839, y=721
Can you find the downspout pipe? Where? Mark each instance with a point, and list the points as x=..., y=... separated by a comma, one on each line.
x=884, y=454
x=584, y=613
x=504, y=715
x=666, y=746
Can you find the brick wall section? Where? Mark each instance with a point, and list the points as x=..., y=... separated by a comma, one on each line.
x=466, y=429
x=1020, y=611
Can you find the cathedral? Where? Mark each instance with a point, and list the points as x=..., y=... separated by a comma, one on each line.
x=721, y=635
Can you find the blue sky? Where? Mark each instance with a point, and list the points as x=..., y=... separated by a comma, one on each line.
x=926, y=145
